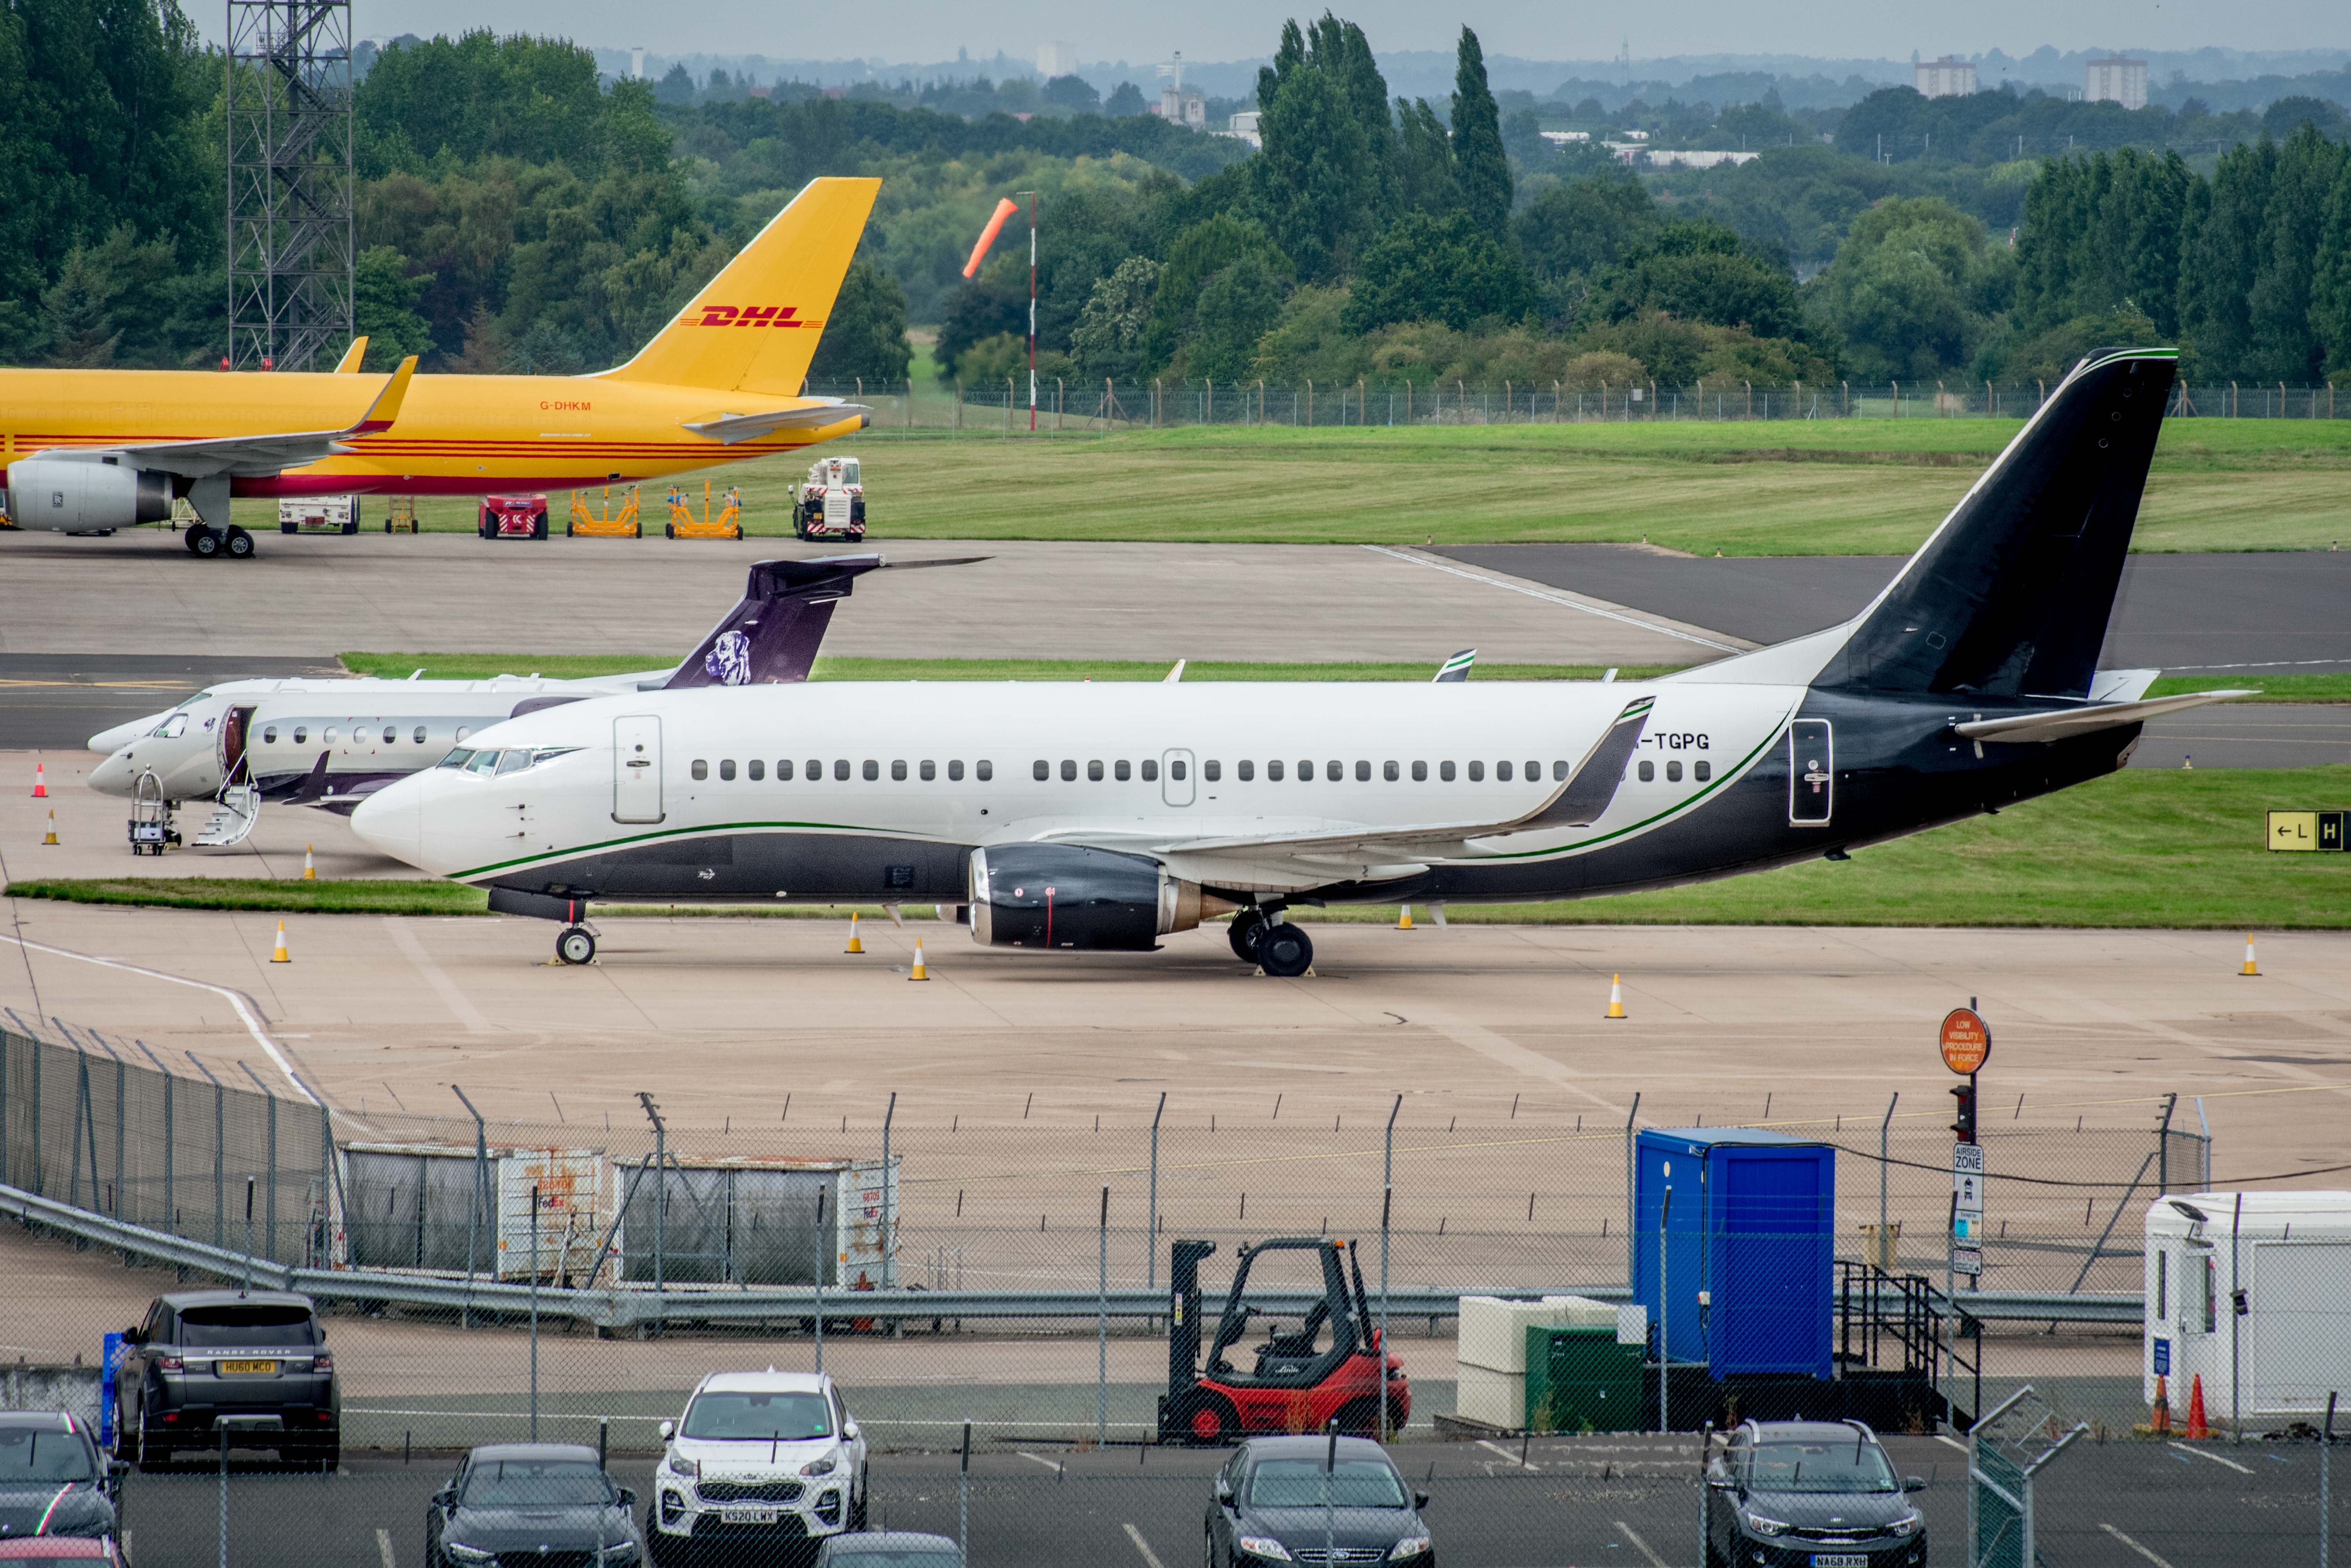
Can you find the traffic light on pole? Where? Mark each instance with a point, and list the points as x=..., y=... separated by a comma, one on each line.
x=1965, y=1124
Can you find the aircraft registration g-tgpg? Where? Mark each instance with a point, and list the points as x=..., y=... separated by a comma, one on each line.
x=1106, y=816
x=92, y=451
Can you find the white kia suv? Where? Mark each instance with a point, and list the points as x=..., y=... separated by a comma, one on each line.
x=758, y=1460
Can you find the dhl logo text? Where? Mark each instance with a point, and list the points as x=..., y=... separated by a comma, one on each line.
x=752, y=316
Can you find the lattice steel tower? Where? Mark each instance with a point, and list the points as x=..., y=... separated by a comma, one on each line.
x=291, y=238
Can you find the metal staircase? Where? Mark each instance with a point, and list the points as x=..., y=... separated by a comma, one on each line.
x=235, y=811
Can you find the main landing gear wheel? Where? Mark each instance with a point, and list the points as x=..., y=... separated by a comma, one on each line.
x=203, y=541
x=239, y=544
x=575, y=946
x=1243, y=933
x=1284, y=951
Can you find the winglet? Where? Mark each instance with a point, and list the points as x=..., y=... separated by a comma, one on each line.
x=1175, y=674
x=348, y=364
x=386, y=407
x=1456, y=668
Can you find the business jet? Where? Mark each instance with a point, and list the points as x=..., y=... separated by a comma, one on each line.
x=330, y=743
x=1056, y=817
x=720, y=383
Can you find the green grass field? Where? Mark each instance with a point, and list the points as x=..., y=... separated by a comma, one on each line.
x=1782, y=487
x=2285, y=688
x=2151, y=849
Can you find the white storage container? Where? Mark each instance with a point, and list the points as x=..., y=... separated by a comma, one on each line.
x=2252, y=1293
x=1496, y=1398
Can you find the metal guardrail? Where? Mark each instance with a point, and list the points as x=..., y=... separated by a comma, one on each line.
x=628, y=1307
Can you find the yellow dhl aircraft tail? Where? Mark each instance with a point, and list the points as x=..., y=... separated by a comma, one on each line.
x=755, y=326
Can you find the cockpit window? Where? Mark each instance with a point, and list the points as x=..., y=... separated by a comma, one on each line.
x=457, y=758
x=483, y=763
x=513, y=761
x=173, y=727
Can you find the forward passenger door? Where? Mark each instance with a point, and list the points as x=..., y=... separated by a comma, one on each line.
x=636, y=769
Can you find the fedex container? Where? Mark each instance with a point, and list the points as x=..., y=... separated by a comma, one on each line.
x=1750, y=1243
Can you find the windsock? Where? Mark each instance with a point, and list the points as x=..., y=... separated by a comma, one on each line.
x=1005, y=207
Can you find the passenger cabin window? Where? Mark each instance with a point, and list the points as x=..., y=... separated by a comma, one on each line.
x=930, y=770
x=727, y=770
x=872, y=770
x=840, y=770
x=1176, y=769
x=1043, y=770
x=1245, y=769
x=1273, y=770
x=1151, y=770
x=1124, y=771
x=389, y=735
x=1701, y=770
x=1334, y=771
x=1477, y=773
x=329, y=737
x=1094, y=772
x=955, y=769
x=983, y=770
x=1420, y=772
x=1534, y=772
x=816, y=769
x=898, y=769
x=418, y=736
x=701, y=770
x=1501, y=772
x=1558, y=772
x=783, y=770
x=1648, y=771
x=1389, y=771
x=1212, y=770
x=1674, y=772
x=269, y=735
x=1363, y=772
x=758, y=769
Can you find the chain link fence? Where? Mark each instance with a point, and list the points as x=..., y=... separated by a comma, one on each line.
x=1066, y=406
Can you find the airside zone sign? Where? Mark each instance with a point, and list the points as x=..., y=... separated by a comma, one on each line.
x=2302, y=832
x=1966, y=1042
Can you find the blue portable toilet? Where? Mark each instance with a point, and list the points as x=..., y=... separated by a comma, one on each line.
x=1750, y=1246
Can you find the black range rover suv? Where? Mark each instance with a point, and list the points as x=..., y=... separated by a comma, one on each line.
x=252, y=1365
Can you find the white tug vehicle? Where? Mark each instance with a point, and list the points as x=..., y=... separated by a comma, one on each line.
x=831, y=505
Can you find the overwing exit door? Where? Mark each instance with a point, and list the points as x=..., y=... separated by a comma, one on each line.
x=1812, y=772
x=636, y=769
x=1176, y=784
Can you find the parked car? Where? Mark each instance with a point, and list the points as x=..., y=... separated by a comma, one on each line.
x=54, y=1481
x=547, y=1502
x=890, y=1549
x=1281, y=1499
x=62, y=1552
x=1810, y=1494
x=762, y=1461
x=253, y=1365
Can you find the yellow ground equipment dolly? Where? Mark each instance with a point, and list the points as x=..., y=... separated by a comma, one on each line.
x=606, y=523
x=713, y=523
x=402, y=517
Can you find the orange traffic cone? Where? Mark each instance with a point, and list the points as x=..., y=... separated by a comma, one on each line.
x=2197, y=1430
x=281, y=956
x=2159, y=1419
x=855, y=945
x=310, y=872
x=1403, y=917
x=1616, y=996
x=918, y=972
x=40, y=782
x=2251, y=967
x=53, y=826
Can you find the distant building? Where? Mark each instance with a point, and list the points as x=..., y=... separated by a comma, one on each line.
x=1185, y=107
x=1949, y=77
x=1057, y=59
x=1663, y=158
x=636, y=64
x=1242, y=127
x=2115, y=81
x=1566, y=138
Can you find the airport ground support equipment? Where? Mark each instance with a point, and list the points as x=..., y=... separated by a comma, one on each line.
x=1329, y=1369
x=402, y=518
x=512, y=518
x=831, y=505
x=719, y=520
x=604, y=523
x=318, y=515
x=151, y=827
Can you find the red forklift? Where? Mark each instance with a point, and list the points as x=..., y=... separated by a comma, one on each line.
x=1329, y=1368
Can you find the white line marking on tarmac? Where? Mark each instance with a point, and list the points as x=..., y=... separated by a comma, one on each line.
x=1954, y=1442
x=1642, y=1546
x=442, y=985
x=2135, y=1546
x=1583, y=605
x=1493, y=1446
x=1052, y=1465
x=237, y=1000
x=383, y=1547
x=1516, y=1057
x=1150, y=1557
x=2201, y=1454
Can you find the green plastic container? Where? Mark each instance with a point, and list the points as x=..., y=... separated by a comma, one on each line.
x=1581, y=1380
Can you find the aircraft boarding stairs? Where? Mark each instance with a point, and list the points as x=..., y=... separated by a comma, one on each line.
x=235, y=811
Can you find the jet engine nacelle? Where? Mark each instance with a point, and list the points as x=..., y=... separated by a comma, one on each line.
x=80, y=495
x=1067, y=896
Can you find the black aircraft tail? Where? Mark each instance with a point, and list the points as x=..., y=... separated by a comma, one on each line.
x=2009, y=597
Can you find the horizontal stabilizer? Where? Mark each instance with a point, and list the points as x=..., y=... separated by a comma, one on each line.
x=2061, y=724
x=731, y=428
x=2121, y=685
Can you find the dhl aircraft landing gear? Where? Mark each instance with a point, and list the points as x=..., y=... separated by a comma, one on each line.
x=208, y=542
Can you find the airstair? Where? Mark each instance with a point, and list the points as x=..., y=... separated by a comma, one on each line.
x=236, y=810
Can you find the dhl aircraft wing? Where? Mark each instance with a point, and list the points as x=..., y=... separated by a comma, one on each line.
x=816, y=414
x=265, y=455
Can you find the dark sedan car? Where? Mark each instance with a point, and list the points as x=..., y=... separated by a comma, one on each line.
x=1293, y=1499
x=53, y=1479
x=1810, y=1494
x=889, y=1549
x=550, y=1504
x=254, y=1365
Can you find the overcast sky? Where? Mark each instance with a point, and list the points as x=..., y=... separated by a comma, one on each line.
x=1234, y=29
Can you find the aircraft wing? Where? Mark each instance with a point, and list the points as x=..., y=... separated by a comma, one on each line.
x=2060, y=724
x=265, y=454
x=731, y=428
x=1578, y=801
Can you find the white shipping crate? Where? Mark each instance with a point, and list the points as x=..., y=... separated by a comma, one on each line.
x=1496, y=1398
x=1493, y=1329
x=2255, y=1302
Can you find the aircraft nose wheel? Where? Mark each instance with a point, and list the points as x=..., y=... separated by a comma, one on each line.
x=577, y=944
x=1284, y=951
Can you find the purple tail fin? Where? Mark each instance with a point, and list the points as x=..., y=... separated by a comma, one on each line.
x=773, y=635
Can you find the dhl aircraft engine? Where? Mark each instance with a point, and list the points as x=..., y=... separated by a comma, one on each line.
x=1067, y=896
x=81, y=496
